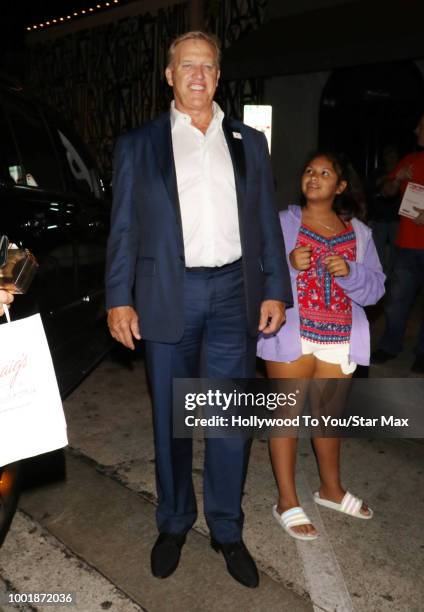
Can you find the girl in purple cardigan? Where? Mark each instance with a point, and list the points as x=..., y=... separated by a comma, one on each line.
x=335, y=272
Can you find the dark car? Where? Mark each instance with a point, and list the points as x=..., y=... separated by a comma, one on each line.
x=54, y=203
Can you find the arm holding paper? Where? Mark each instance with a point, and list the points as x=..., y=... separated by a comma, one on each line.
x=407, y=178
x=412, y=205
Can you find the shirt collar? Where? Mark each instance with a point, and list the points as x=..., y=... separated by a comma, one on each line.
x=177, y=117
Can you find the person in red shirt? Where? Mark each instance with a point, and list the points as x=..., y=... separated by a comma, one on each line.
x=408, y=273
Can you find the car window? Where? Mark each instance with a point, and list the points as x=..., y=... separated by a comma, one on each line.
x=39, y=166
x=79, y=169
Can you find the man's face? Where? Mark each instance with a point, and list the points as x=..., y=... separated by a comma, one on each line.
x=419, y=132
x=193, y=75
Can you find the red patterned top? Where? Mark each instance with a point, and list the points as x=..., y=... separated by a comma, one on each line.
x=324, y=308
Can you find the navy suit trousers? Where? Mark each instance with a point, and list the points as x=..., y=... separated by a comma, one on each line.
x=215, y=344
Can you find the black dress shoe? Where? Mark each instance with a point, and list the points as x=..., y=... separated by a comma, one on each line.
x=381, y=356
x=239, y=562
x=166, y=554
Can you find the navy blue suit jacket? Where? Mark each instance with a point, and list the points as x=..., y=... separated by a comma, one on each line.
x=145, y=255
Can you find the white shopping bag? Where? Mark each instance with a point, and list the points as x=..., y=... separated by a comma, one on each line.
x=31, y=413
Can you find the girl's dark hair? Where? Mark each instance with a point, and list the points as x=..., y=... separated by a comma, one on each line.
x=350, y=203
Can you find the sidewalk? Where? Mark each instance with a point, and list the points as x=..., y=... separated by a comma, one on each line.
x=362, y=565
x=104, y=514
x=112, y=529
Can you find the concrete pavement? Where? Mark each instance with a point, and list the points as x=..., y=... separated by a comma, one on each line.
x=112, y=528
x=34, y=561
x=99, y=523
x=369, y=565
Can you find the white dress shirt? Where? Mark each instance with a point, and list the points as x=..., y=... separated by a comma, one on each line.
x=206, y=190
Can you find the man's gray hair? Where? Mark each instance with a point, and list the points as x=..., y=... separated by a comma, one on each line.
x=195, y=35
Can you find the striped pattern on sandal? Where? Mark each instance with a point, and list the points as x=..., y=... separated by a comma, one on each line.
x=294, y=518
x=350, y=505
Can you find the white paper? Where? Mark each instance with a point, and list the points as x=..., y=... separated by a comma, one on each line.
x=31, y=413
x=413, y=196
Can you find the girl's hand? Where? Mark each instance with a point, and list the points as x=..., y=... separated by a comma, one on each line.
x=300, y=258
x=5, y=298
x=337, y=265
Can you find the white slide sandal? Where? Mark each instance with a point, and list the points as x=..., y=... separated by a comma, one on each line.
x=293, y=518
x=350, y=505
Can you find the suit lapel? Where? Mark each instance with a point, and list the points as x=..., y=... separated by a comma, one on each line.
x=162, y=145
x=236, y=148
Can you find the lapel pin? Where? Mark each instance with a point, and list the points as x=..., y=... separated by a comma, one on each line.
x=237, y=135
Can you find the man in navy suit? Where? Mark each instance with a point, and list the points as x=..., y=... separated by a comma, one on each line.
x=195, y=263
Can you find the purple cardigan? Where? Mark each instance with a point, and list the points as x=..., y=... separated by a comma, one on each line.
x=364, y=285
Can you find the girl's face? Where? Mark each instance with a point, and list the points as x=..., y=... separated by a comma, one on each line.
x=320, y=181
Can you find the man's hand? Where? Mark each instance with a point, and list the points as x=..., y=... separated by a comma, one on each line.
x=123, y=325
x=273, y=315
x=337, y=265
x=420, y=219
x=5, y=298
x=300, y=258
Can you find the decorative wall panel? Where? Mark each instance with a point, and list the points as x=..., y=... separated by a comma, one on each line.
x=109, y=78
